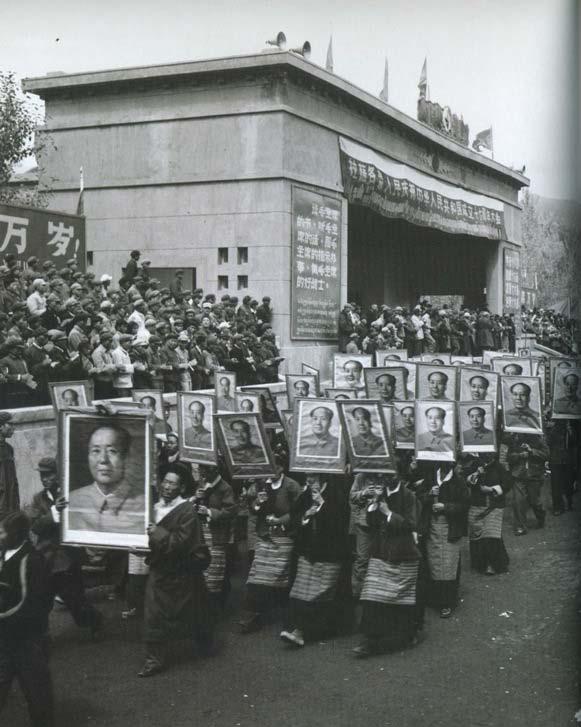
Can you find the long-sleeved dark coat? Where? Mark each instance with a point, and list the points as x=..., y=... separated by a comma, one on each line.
x=47, y=533
x=531, y=467
x=221, y=502
x=393, y=541
x=176, y=599
x=455, y=496
x=324, y=537
x=279, y=503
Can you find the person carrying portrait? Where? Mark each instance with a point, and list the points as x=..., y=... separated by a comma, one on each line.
x=64, y=563
x=25, y=603
x=489, y=484
x=9, y=489
x=389, y=619
x=445, y=499
x=526, y=457
x=176, y=597
x=320, y=441
x=361, y=494
x=563, y=441
x=216, y=506
x=269, y=577
x=365, y=442
x=320, y=518
x=520, y=413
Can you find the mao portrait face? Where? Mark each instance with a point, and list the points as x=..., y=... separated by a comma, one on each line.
x=435, y=424
x=225, y=389
x=301, y=386
x=340, y=394
x=348, y=371
x=478, y=385
x=317, y=438
x=196, y=427
x=566, y=402
x=152, y=400
x=404, y=424
x=244, y=440
x=512, y=366
x=436, y=382
x=385, y=384
x=521, y=404
x=477, y=426
x=410, y=378
x=70, y=394
x=367, y=436
x=248, y=402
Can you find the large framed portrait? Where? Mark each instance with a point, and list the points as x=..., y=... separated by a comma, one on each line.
x=107, y=474
x=478, y=385
x=562, y=365
x=225, y=391
x=196, y=434
x=302, y=386
x=386, y=383
x=438, y=359
x=70, y=394
x=435, y=430
x=566, y=402
x=411, y=377
x=312, y=371
x=368, y=443
x=317, y=441
x=521, y=404
x=348, y=371
x=512, y=366
x=436, y=382
x=489, y=356
x=340, y=393
x=404, y=419
x=248, y=401
x=267, y=405
x=394, y=354
x=245, y=445
x=477, y=426
x=152, y=401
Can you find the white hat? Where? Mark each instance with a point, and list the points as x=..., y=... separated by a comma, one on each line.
x=105, y=278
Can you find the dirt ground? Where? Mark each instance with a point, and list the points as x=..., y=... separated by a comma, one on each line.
x=509, y=657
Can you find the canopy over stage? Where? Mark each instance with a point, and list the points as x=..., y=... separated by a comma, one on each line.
x=268, y=175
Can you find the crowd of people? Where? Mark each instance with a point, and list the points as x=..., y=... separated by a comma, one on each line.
x=324, y=554
x=66, y=325
x=461, y=332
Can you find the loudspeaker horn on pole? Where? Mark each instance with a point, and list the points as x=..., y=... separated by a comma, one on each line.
x=279, y=41
x=305, y=51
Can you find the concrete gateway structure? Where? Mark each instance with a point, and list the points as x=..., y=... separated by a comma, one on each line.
x=267, y=175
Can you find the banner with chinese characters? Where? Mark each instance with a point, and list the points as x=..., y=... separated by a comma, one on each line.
x=316, y=266
x=399, y=191
x=511, y=281
x=48, y=235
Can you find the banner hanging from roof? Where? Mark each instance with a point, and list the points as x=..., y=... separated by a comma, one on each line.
x=397, y=191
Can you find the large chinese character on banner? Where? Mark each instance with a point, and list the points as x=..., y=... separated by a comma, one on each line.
x=316, y=266
x=47, y=234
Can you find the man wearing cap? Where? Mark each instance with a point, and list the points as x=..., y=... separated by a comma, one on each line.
x=177, y=285
x=123, y=376
x=64, y=563
x=435, y=439
x=103, y=362
x=131, y=268
x=38, y=363
x=170, y=363
x=9, y=490
x=320, y=442
x=51, y=317
x=184, y=359
x=138, y=316
x=36, y=301
x=145, y=274
x=478, y=434
x=14, y=373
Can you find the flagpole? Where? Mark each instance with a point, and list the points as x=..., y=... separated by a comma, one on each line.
x=492, y=141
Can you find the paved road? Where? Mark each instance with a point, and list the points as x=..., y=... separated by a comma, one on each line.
x=508, y=658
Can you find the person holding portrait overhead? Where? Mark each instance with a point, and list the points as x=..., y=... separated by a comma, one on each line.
x=478, y=388
x=526, y=457
x=110, y=503
x=225, y=400
x=406, y=434
x=320, y=441
x=521, y=414
x=196, y=435
x=478, y=434
x=435, y=439
x=365, y=442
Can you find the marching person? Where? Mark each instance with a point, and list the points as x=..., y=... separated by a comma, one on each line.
x=176, y=598
x=25, y=604
x=360, y=497
x=489, y=484
x=321, y=517
x=563, y=436
x=389, y=620
x=63, y=563
x=526, y=456
x=445, y=498
x=269, y=577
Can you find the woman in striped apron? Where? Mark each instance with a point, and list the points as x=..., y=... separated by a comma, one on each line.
x=445, y=498
x=269, y=577
x=321, y=522
x=389, y=619
x=489, y=483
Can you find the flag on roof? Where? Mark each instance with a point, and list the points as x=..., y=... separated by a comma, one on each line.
x=329, y=61
x=483, y=140
x=423, y=84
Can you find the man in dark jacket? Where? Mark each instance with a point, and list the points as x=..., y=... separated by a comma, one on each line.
x=63, y=563
x=526, y=457
x=25, y=603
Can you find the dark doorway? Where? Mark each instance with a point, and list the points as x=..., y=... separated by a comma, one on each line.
x=395, y=262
